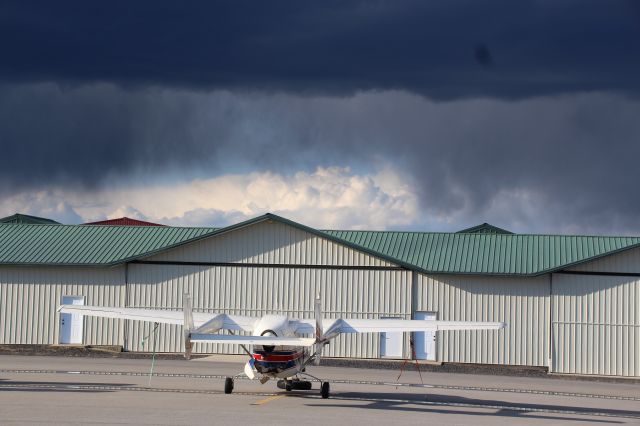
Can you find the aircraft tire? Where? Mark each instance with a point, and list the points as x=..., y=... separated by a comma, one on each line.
x=228, y=385
x=324, y=390
x=301, y=385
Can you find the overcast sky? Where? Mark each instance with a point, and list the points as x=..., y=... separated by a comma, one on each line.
x=428, y=116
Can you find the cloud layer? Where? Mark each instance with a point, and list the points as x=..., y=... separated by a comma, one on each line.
x=326, y=198
x=440, y=49
x=546, y=164
x=523, y=114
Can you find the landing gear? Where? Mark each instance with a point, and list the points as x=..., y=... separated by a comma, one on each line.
x=228, y=385
x=295, y=384
x=284, y=384
x=324, y=390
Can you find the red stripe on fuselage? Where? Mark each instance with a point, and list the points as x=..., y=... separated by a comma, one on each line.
x=277, y=358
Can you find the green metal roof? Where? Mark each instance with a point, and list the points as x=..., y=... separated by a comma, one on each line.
x=25, y=218
x=428, y=252
x=484, y=228
x=495, y=254
x=88, y=245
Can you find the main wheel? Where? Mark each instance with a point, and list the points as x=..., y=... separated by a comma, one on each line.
x=228, y=385
x=324, y=390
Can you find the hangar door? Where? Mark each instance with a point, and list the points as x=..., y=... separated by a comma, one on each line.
x=595, y=324
x=424, y=342
x=391, y=344
x=71, y=325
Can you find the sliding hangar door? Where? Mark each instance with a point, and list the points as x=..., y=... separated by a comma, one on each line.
x=30, y=296
x=585, y=320
x=269, y=267
x=596, y=317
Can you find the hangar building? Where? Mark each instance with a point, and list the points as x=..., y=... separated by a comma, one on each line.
x=572, y=303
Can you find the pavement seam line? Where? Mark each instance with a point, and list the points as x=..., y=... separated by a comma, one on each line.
x=355, y=382
x=272, y=396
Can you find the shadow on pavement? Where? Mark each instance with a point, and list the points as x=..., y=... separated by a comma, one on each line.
x=434, y=403
x=45, y=386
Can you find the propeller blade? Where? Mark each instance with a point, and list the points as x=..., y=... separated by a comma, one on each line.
x=188, y=325
x=317, y=307
x=319, y=330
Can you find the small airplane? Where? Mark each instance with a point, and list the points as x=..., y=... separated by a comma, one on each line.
x=280, y=349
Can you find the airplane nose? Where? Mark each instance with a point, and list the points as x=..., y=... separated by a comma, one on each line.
x=272, y=334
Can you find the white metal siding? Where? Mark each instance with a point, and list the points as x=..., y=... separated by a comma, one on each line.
x=31, y=295
x=248, y=290
x=626, y=261
x=271, y=243
x=523, y=303
x=596, y=324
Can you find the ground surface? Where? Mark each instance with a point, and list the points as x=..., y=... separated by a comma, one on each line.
x=63, y=390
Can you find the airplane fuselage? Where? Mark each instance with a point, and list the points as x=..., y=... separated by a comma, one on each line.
x=278, y=361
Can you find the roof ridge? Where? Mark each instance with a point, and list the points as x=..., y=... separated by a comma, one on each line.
x=481, y=234
x=338, y=230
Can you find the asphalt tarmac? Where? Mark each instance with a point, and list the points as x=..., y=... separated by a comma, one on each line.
x=103, y=391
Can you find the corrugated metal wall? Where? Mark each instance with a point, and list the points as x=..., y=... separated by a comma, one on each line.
x=270, y=242
x=626, y=261
x=596, y=324
x=31, y=295
x=256, y=290
x=523, y=303
x=596, y=318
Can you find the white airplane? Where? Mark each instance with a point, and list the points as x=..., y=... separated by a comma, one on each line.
x=280, y=348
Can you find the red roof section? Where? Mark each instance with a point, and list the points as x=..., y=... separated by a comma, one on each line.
x=124, y=221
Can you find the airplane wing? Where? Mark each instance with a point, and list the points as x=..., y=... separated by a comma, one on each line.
x=253, y=340
x=399, y=325
x=334, y=327
x=209, y=320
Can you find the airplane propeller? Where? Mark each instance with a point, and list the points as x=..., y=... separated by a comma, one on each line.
x=188, y=325
x=320, y=340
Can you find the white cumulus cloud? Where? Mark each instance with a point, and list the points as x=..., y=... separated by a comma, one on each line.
x=331, y=197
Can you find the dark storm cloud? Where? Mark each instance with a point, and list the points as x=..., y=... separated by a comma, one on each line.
x=546, y=164
x=76, y=137
x=438, y=49
x=520, y=112
x=83, y=136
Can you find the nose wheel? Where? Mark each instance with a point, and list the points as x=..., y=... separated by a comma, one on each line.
x=228, y=385
x=293, y=384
